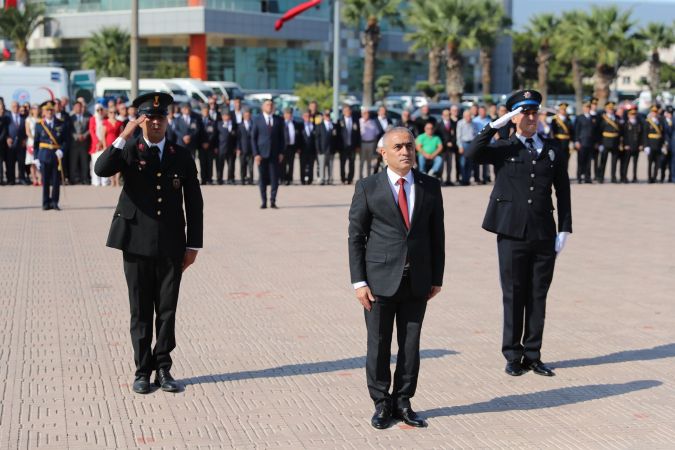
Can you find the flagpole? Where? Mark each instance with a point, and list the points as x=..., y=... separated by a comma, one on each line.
x=336, y=59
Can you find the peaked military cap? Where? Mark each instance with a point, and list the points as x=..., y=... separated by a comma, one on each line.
x=153, y=104
x=49, y=104
x=610, y=105
x=528, y=99
x=654, y=108
x=563, y=105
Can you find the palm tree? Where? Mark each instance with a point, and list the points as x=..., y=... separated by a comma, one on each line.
x=542, y=28
x=490, y=20
x=371, y=12
x=107, y=51
x=609, y=35
x=425, y=17
x=570, y=46
x=18, y=24
x=657, y=36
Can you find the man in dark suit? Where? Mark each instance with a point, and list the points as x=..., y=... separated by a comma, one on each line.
x=49, y=137
x=267, y=143
x=396, y=260
x=291, y=147
x=349, y=144
x=383, y=123
x=653, y=142
x=585, y=130
x=520, y=212
x=307, y=149
x=632, y=144
x=81, y=141
x=208, y=144
x=227, y=147
x=4, y=130
x=149, y=226
x=245, y=148
x=16, y=145
x=326, y=137
x=187, y=129
x=446, y=129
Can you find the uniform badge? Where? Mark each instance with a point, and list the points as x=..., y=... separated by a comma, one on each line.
x=551, y=155
x=141, y=147
x=176, y=182
x=156, y=102
x=171, y=149
x=527, y=94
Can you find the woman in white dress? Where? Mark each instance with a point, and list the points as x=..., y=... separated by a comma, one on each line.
x=31, y=121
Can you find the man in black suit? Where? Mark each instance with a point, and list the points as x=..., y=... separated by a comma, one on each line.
x=520, y=212
x=187, y=129
x=396, y=260
x=227, y=147
x=267, y=142
x=291, y=147
x=585, y=130
x=4, y=130
x=16, y=145
x=244, y=147
x=307, y=149
x=383, y=124
x=326, y=137
x=208, y=144
x=349, y=143
x=149, y=226
x=446, y=129
x=81, y=141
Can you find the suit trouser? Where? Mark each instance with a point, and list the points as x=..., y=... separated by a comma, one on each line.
x=672, y=165
x=366, y=155
x=653, y=164
x=408, y=313
x=584, y=159
x=3, y=161
x=206, y=164
x=246, y=167
x=10, y=164
x=466, y=166
x=525, y=272
x=79, y=164
x=664, y=165
x=288, y=165
x=624, y=159
x=616, y=158
x=602, y=164
x=325, y=167
x=448, y=155
x=307, y=167
x=51, y=178
x=154, y=283
x=595, y=164
x=347, y=160
x=230, y=156
x=268, y=172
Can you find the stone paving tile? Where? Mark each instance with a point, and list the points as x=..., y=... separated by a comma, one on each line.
x=271, y=341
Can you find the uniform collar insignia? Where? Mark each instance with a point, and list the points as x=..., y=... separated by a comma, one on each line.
x=551, y=155
x=141, y=147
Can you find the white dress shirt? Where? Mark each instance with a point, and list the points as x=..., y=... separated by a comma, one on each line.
x=383, y=122
x=291, y=132
x=538, y=143
x=409, y=187
x=268, y=119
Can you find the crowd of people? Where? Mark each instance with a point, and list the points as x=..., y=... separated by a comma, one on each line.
x=220, y=137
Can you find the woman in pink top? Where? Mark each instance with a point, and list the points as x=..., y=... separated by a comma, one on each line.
x=113, y=128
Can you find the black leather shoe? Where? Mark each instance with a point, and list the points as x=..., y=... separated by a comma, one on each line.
x=539, y=368
x=55, y=207
x=274, y=206
x=514, y=368
x=46, y=207
x=165, y=381
x=263, y=206
x=410, y=417
x=382, y=417
x=141, y=384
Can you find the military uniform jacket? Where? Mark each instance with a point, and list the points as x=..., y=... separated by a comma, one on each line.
x=609, y=132
x=47, y=151
x=520, y=204
x=632, y=135
x=562, y=129
x=149, y=219
x=653, y=134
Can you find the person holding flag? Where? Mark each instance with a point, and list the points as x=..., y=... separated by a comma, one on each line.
x=48, y=142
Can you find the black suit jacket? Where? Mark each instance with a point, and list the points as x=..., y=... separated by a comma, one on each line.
x=325, y=140
x=380, y=245
x=447, y=135
x=352, y=135
x=17, y=131
x=194, y=129
x=244, y=138
x=516, y=210
x=227, y=139
x=308, y=141
x=267, y=141
x=149, y=219
x=287, y=138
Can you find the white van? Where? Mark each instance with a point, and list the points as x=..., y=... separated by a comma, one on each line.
x=196, y=89
x=31, y=84
x=117, y=87
x=230, y=89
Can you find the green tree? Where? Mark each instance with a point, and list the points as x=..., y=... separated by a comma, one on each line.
x=427, y=35
x=107, y=51
x=429, y=90
x=570, y=46
x=371, y=13
x=322, y=93
x=383, y=86
x=524, y=60
x=657, y=36
x=170, y=69
x=18, y=24
x=542, y=28
x=490, y=20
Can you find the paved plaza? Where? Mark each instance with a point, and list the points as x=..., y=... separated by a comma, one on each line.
x=271, y=340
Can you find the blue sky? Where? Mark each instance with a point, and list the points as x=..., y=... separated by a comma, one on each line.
x=643, y=11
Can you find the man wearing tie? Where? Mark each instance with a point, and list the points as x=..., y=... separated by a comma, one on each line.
x=187, y=129
x=16, y=145
x=291, y=147
x=79, y=158
x=446, y=130
x=326, y=135
x=350, y=141
x=227, y=147
x=307, y=149
x=49, y=137
x=244, y=148
x=396, y=260
x=267, y=142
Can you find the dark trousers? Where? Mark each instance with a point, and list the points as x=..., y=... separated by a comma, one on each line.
x=10, y=164
x=347, y=163
x=584, y=160
x=268, y=172
x=79, y=164
x=51, y=182
x=448, y=156
x=653, y=164
x=230, y=156
x=288, y=163
x=307, y=167
x=602, y=164
x=206, y=164
x=664, y=166
x=3, y=161
x=616, y=158
x=526, y=271
x=408, y=313
x=624, y=159
x=633, y=155
x=246, y=166
x=154, y=283
x=595, y=162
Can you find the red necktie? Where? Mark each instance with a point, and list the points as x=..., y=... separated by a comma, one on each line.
x=403, y=203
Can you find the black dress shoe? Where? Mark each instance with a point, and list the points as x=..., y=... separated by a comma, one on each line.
x=141, y=384
x=165, y=381
x=539, y=368
x=514, y=368
x=274, y=206
x=263, y=206
x=382, y=417
x=46, y=207
x=55, y=207
x=410, y=417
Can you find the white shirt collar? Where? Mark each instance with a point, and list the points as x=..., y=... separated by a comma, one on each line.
x=159, y=145
x=394, y=177
x=538, y=143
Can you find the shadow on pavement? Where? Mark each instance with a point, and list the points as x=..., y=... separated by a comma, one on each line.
x=645, y=354
x=304, y=368
x=544, y=399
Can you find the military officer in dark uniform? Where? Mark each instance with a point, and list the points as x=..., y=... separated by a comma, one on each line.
x=562, y=129
x=585, y=141
x=50, y=134
x=609, y=128
x=160, y=197
x=520, y=212
x=632, y=144
x=653, y=142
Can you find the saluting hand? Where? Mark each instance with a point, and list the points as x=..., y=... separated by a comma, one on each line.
x=189, y=258
x=128, y=131
x=364, y=296
x=506, y=118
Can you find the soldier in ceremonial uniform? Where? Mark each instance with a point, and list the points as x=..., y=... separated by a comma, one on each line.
x=562, y=129
x=520, y=212
x=653, y=142
x=609, y=128
x=632, y=144
x=160, y=197
x=50, y=134
x=585, y=142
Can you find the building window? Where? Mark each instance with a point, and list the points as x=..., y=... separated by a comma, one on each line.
x=626, y=80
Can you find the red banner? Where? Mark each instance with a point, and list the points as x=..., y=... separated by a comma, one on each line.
x=291, y=13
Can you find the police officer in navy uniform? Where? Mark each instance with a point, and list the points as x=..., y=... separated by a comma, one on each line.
x=520, y=212
x=50, y=133
x=160, y=197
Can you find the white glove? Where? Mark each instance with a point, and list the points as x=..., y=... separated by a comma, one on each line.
x=601, y=148
x=37, y=164
x=647, y=150
x=560, y=241
x=664, y=150
x=59, y=154
x=506, y=118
